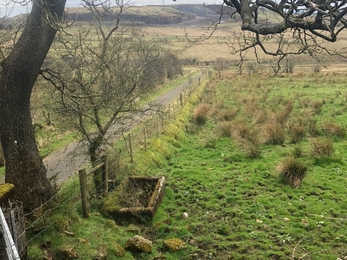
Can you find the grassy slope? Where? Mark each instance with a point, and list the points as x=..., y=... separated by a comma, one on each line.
x=237, y=207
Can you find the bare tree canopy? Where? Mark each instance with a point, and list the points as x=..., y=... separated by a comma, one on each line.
x=323, y=18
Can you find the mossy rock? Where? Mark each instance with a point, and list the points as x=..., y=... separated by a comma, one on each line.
x=138, y=244
x=119, y=251
x=174, y=244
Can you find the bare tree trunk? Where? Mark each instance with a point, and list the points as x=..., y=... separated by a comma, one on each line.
x=24, y=166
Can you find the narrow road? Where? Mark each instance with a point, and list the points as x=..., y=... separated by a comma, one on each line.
x=64, y=163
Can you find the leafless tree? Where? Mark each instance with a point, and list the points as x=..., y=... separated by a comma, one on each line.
x=19, y=70
x=105, y=73
x=288, y=27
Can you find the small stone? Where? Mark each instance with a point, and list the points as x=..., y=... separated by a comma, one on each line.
x=185, y=215
x=139, y=244
x=174, y=244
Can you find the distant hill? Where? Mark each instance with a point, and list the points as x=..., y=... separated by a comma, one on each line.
x=155, y=14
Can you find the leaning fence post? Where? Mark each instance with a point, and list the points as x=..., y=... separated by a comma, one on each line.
x=105, y=175
x=130, y=149
x=84, y=192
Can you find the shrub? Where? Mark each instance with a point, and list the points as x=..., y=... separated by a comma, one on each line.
x=292, y=171
x=274, y=133
x=322, y=147
x=332, y=128
x=200, y=114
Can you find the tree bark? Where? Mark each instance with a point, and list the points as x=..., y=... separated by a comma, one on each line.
x=24, y=166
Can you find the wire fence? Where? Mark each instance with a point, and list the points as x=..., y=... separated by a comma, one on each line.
x=138, y=138
x=8, y=243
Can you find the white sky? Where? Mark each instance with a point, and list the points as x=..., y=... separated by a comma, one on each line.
x=7, y=7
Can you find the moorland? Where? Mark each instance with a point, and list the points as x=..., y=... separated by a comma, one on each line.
x=226, y=158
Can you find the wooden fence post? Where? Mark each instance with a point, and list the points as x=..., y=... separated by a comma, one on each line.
x=145, y=137
x=84, y=192
x=158, y=131
x=131, y=149
x=174, y=109
x=181, y=99
x=105, y=175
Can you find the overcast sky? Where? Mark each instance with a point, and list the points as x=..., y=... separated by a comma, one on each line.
x=8, y=6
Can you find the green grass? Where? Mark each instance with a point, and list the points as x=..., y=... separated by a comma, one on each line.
x=238, y=207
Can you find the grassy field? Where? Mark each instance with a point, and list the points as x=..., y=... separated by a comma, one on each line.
x=238, y=206
x=224, y=196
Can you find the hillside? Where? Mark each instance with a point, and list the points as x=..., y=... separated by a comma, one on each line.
x=156, y=15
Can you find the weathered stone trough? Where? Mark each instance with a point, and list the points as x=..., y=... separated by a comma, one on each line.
x=142, y=197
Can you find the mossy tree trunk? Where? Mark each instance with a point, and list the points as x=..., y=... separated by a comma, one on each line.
x=24, y=166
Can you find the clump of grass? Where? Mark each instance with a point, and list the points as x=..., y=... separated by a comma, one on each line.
x=317, y=106
x=332, y=128
x=312, y=127
x=201, y=113
x=296, y=133
x=248, y=139
x=260, y=116
x=297, y=151
x=226, y=128
x=241, y=129
x=322, y=148
x=227, y=114
x=210, y=142
x=274, y=133
x=292, y=171
x=304, y=102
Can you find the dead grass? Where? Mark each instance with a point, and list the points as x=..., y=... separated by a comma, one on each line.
x=201, y=113
x=227, y=114
x=273, y=133
x=321, y=148
x=333, y=129
x=226, y=128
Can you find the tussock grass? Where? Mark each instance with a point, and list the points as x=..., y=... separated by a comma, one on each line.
x=297, y=133
x=226, y=128
x=332, y=128
x=273, y=133
x=227, y=114
x=317, y=106
x=292, y=171
x=322, y=147
x=201, y=113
